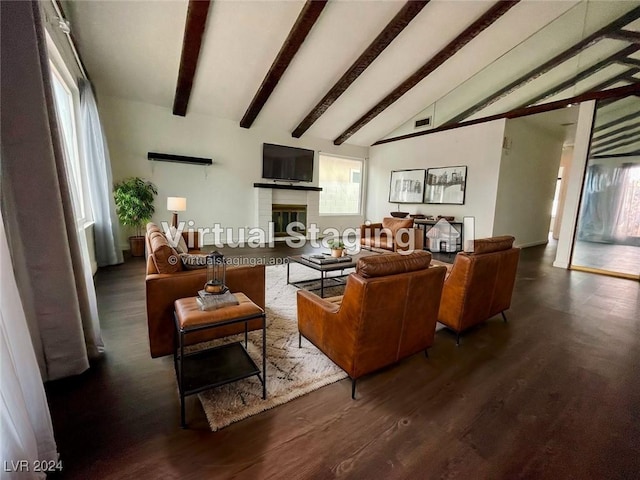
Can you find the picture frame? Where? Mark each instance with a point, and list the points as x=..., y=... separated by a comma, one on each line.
x=407, y=186
x=446, y=185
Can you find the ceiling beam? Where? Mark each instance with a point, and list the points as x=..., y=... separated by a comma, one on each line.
x=582, y=75
x=625, y=36
x=627, y=76
x=619, y=92
x=598, y=151
x=613, y=123
x=407, y=13
x=477, y=27
x=613, y=133
x=618, y=155
x=305, y=22
x=194, y=26
x=613, y=141
x=631, y=62
x=548, y=65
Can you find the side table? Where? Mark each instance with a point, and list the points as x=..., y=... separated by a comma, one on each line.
x=212, y=367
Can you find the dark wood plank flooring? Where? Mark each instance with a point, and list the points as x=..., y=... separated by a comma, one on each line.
x=554, y=393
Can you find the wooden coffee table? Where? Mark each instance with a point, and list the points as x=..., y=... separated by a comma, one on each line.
x=325, y=268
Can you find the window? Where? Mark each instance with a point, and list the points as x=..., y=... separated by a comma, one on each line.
x=341, y=182
x=66, y=99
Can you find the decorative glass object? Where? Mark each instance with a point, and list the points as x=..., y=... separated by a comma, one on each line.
x=216, y=269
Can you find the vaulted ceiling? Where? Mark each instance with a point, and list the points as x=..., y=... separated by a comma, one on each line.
x=355, y=71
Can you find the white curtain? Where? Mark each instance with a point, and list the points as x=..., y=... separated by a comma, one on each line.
x=48, y=248
x=90, y=319
x=96, y=155
x=25, y=425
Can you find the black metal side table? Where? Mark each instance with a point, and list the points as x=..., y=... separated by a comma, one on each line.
x=204, y=369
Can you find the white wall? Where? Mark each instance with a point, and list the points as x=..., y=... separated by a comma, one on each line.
x=477, y=146
x=222, y=193
x=563, y=173
x=528, y=175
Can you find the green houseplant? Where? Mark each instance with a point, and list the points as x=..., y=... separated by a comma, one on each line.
x=336, y=246
x=134, y=205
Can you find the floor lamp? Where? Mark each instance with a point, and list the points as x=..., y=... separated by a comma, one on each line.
x=175, y=205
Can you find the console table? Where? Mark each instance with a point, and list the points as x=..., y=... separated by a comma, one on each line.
x=448, y=240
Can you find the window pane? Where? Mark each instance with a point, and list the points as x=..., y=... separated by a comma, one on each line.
x=65, y=113
x=341, y=182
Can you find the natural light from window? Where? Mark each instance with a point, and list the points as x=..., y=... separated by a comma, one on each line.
x=63, y=99
x=341, y=182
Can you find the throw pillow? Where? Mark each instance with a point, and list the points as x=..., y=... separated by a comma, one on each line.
x=176, y=240
x=192, y=261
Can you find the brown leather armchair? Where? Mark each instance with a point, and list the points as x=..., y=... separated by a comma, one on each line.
x=388, y=312
x=393, y=235
x=480, y=284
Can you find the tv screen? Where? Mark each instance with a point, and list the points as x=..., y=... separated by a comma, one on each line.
x=287, y=163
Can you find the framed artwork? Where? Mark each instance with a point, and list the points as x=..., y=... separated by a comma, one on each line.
x=407, y=186
x=446, y=185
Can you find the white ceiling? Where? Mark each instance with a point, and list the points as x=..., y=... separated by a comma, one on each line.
x=132, y=50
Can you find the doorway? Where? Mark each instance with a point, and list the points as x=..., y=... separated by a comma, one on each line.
x=607, y=238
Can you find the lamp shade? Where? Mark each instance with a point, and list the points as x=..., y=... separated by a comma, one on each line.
x=176, y=204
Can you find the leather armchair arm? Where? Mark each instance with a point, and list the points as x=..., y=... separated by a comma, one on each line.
x=452, y=302
x=312, y=313
x=321, y=322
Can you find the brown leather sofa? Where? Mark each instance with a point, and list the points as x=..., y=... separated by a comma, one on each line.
x=480, y=284
x=166, y=281
x=388, y=312
x=392, y=235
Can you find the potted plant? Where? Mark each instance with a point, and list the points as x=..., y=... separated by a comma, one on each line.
x=337, y=247
x=134, y=206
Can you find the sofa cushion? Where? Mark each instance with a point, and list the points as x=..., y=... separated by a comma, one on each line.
x=164, y=257
x=383, y=241
x=494, y=244
x=392, y=263
x=176, y=240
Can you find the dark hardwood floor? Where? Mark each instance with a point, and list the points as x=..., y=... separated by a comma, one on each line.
x=554, y=393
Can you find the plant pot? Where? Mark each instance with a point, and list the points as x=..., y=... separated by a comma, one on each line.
x=137, y=246
x=337, y=252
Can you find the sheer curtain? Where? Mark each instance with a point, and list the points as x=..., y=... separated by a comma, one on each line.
x=605, y=204
x=96, y=154
x=47, y=252
x=25, y=422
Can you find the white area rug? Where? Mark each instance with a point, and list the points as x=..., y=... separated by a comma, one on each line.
x=291, y=371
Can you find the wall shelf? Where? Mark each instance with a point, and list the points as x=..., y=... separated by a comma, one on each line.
x=279, y=186
x=167, y=157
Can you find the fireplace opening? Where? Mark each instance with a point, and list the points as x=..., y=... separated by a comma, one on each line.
x=283, y=215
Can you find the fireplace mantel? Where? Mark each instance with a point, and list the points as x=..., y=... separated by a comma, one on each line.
x=279, y=186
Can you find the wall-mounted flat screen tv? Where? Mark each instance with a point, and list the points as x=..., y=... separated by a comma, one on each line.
x=287, y=163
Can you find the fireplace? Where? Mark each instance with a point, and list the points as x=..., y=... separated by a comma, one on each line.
x=283, y=215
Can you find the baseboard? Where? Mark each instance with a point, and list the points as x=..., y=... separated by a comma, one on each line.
x=561, y=264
